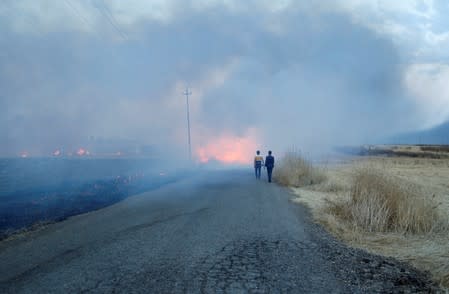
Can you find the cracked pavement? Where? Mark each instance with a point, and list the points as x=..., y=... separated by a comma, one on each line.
x=217, y=232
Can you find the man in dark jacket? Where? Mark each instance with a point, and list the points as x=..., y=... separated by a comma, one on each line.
x=269, y=163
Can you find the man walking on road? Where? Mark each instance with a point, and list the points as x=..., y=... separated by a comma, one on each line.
x=269, y=163
x=258, y=162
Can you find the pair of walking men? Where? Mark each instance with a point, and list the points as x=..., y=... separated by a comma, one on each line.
x=269, y=164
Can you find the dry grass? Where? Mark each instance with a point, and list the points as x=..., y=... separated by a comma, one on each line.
x=424, y=151
x=379, y=202
x=390, y=206
x=296, y=171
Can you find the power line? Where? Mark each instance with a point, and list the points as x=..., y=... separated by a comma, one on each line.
x=110, y=18
x=84, y=19
x=70, y=4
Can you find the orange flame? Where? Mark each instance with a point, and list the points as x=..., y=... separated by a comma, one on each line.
x=228, y=149
x=82, y=152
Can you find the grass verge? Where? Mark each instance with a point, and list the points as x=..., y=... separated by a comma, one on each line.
x=378, y=202
x=296, y=171
x=387, y=208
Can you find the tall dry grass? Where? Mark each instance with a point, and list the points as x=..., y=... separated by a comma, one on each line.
x=296, y=171
x=378, y=202
x=388, y=208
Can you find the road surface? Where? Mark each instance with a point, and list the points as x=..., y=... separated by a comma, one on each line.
x=222, y=231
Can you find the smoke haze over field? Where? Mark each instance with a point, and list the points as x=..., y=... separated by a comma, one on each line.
x=263, y=75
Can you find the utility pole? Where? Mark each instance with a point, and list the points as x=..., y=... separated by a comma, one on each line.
x=187, y=92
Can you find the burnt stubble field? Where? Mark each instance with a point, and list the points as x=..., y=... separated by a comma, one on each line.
x=35, y=191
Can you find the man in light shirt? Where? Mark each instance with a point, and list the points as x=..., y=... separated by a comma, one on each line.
x=258, y=162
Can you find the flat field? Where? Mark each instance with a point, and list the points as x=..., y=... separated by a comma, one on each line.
x=37, y=191
x=424, y=177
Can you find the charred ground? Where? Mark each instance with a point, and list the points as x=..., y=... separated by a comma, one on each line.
x=37, y=191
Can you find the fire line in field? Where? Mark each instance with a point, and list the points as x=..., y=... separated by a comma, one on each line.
x=228, y=149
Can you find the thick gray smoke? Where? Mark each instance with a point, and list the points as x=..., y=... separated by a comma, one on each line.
x=299, y=76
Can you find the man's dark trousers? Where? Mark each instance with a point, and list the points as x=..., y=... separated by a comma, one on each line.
x=269, y=172
x=269, y=163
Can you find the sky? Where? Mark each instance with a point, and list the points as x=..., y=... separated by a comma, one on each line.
x=263, y=74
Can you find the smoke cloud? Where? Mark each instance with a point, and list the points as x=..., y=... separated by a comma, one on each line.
x=268, y=76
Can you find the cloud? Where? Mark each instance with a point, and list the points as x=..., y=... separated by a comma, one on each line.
x=284, y=74
x=417, y=27
x=427, y=84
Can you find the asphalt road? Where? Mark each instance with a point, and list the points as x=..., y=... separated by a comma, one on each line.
x=221, y=231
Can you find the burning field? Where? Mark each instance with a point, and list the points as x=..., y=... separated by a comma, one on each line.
x=35, y=191
x=228, y=149
x=39, y=190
